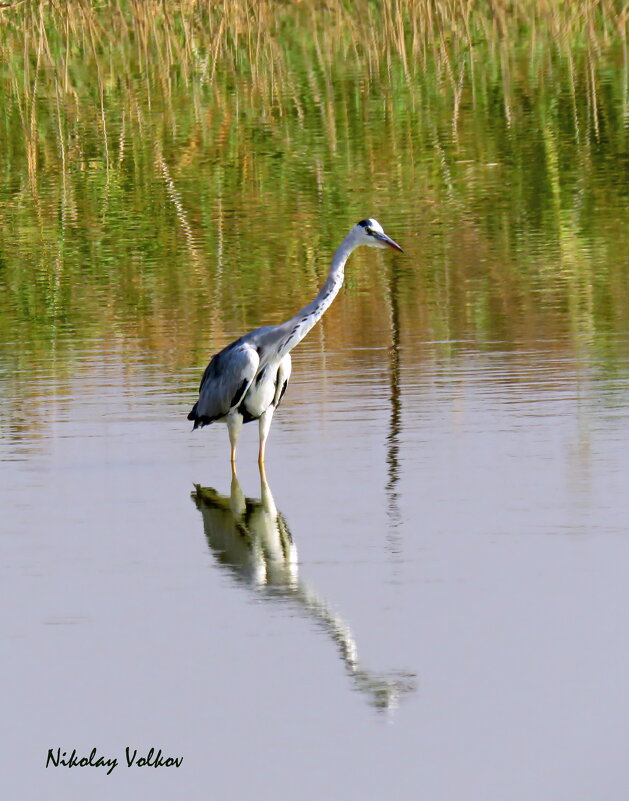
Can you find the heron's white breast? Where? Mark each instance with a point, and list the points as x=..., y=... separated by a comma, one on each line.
x=261, y=394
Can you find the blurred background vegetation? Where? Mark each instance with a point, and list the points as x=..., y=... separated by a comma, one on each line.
x=174, y=173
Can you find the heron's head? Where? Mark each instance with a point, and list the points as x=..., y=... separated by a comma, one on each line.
x=369, y=232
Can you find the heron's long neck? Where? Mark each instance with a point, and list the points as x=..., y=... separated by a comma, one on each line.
x=299, y=325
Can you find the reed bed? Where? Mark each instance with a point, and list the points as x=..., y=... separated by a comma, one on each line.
x=77, y=63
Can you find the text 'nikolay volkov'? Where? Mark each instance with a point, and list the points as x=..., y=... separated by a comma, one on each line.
x=153, y=759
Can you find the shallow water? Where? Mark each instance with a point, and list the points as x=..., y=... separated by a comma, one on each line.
x=431, y=589
x=425, y=596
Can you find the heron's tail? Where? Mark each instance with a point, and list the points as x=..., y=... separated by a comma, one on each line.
x=200, y=420
x=192, y=415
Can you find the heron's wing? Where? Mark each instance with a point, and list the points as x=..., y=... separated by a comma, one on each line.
x=225, y=382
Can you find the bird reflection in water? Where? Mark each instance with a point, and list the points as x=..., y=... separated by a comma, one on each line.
x=252, y=539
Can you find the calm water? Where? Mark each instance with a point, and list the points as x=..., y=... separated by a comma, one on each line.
x=426, y=596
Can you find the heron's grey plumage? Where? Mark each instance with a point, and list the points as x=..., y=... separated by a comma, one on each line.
x=247, y=379
x=225, y=382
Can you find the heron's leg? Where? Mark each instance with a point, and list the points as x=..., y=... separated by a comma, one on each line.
x=265, y=425
x=234, y=424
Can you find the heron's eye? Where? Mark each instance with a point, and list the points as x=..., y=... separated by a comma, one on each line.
x=369, y=231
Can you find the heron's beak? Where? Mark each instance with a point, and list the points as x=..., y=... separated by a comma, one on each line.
x=388, y=241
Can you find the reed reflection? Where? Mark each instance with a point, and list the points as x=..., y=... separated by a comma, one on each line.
x=395, y=415
x=251, y=538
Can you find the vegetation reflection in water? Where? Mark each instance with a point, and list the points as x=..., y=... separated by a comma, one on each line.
x=165, y=167
x=251, y=538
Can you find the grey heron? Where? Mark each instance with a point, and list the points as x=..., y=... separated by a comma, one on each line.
x=247, y=380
